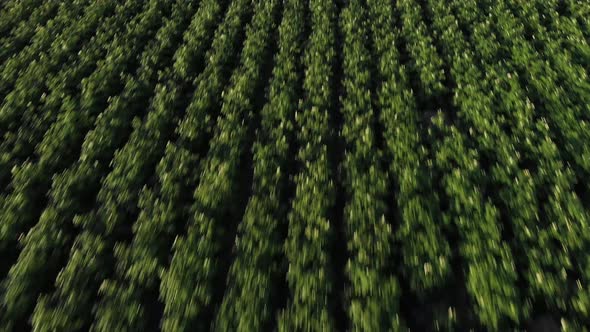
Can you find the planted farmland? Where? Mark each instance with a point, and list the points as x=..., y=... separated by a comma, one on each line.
x=294, y=165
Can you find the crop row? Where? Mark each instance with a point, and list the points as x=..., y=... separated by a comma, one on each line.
x=26, y=278
x=294, y=165
x=254, y=278
x=311, y=232
x=189, y=287
x=374, y=292
x=137, y=264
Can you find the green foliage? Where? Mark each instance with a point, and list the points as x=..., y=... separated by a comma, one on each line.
x=311, y=233
x=365, y=165
x=39, y=86
x=374, y=292
x=489, y=268
x=252, y=292
x=67, y=188
x=22, y=33
x=188, y=285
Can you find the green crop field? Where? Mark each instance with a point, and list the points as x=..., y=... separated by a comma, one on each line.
x=294, y=165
